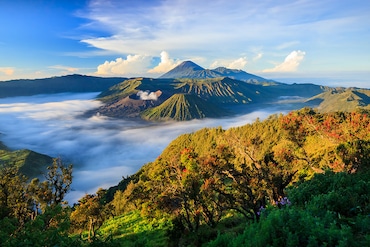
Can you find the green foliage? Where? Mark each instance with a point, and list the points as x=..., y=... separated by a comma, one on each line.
x=213, y=187
x=203, y=176
x=13, y=196
x=88, y=214
x=52, y=190
x=20, y=216
x=294, y=227
x=121, y=186
x=347, y=195
x=329, y=210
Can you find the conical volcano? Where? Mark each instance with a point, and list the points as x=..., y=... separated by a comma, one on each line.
x=189, y=69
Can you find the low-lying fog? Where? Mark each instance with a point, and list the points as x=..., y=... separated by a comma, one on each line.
x=101, y=149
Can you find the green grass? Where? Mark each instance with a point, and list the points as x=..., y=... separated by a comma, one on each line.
x=30, y=163
x=132, y=229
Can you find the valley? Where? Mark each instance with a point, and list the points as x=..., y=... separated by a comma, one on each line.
x=112, y=133
x=127, y=137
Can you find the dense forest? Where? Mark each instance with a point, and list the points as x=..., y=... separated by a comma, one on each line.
x=300, y=179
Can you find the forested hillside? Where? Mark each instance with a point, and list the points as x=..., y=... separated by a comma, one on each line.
x=300, y=179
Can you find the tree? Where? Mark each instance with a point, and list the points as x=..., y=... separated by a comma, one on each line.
x=13, y=197
x=52, y=190
x=18, y=199
x=88, y=214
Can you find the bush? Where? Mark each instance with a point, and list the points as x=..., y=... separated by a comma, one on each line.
x=332, y=209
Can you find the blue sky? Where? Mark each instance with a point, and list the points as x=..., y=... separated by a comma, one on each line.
x=325, y=42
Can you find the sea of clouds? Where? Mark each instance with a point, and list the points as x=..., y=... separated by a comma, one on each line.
x=102, y=149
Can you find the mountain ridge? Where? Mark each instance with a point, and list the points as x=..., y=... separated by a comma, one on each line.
x=189, y=69
x=122, y=100
x=57, y=84
x=222, y=87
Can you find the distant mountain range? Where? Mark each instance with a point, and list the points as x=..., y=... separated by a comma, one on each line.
x=189, y=91
x=58, y=84
x=188, y=69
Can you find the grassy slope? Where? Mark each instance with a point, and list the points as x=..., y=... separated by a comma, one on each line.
x=343, y=100
x=132, y=229
x=31, y=164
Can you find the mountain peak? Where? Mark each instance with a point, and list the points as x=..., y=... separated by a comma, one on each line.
x=189, y=65
x=183, y=70
x=189, y=69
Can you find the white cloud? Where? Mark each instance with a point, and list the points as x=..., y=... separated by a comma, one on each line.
x=287, y=45
x=137, y=65
x=257, y=57
x=239, y=63
x=165, y=65
x=146, y=95
x=229, y=28
x=64, y=68
x=166, y=25
x=290, y=64
x=132, y=65
x=7, y=70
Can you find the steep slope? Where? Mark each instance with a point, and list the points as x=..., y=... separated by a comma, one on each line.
x=30, y=163
x=181, y=107
x=222, y=90
x=342, y=99
x=61, y=84
x=2, y=146
x=188, y=69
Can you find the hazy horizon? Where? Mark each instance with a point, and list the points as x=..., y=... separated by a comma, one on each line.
x=358, y=79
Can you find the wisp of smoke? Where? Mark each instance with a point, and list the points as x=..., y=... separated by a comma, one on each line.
x=146, y=95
